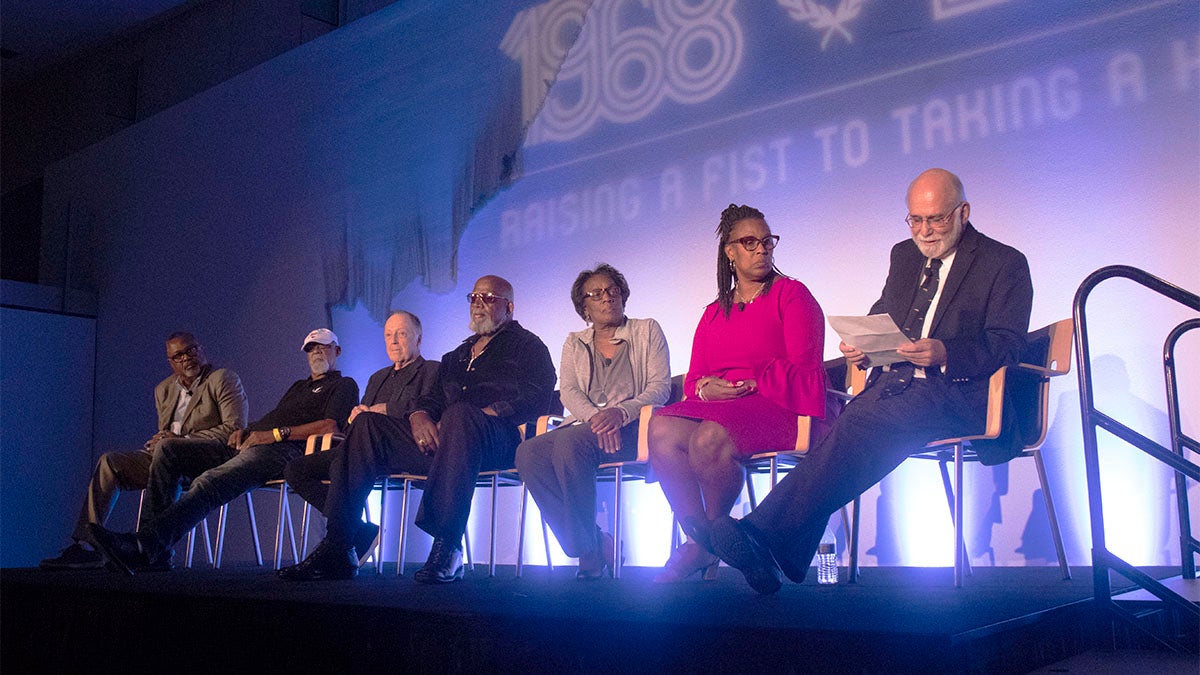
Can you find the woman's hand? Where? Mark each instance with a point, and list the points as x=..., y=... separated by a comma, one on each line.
x=607, y=420
x=720, y=389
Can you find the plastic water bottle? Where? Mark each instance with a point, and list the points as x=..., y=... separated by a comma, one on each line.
x=827, y=564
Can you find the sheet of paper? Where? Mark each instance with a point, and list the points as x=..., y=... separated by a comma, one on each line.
x=876, y=335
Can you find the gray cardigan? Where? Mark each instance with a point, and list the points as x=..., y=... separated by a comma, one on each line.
x=647, y=354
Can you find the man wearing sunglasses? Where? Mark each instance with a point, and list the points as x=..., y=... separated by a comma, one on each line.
x=498, y=378
x=964, y=300
x=196, y=402
x=223, y=469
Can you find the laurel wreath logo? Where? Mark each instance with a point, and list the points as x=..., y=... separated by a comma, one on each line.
x=820, y=17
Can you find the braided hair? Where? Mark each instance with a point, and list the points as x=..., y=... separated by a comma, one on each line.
x=725, y=275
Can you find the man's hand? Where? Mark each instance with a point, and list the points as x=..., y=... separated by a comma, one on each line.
x=718, y=389
x=925, y=352
x=855, y=356
x=377, y=408
x=424, y=431
x=256, y=438
x=158, y=437
x=235, y=439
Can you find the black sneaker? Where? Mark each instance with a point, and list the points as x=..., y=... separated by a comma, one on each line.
x=443, y=566
x=74, y=557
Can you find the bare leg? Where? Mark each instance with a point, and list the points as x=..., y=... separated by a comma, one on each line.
x=670, y=439
x=713, y=458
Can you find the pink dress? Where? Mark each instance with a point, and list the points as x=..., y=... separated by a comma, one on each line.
x=777, y=341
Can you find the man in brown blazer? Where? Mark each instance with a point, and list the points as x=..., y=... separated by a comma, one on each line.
x=196, y=401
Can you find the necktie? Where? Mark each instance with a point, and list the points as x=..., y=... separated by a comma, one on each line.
x=900, y=375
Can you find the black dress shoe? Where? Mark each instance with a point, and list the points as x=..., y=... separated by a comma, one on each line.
x=124, y=551
x=74, y=557
x=364, y=540
x=326, y=562
x=600, y=562
x=443, y=566
x=735, y=544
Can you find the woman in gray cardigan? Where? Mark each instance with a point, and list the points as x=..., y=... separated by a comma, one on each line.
x=608, y=372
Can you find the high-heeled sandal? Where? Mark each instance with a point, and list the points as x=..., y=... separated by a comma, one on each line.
x=687, y=560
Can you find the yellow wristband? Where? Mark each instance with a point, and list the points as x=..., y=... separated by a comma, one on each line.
x=278, y=436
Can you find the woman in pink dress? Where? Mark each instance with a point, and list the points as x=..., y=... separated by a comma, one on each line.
x=756, y=365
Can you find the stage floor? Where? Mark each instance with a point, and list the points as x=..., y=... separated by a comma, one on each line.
x=893, y=619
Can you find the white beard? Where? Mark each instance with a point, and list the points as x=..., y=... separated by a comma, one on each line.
x=319, y=366
x=482, y=326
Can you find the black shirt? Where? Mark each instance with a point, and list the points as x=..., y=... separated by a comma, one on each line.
x=514, y=375
x=308, y=400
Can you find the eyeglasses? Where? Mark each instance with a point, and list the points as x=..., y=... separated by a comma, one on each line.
x=488, y=298
x=180, y=357
x=941, y=220
x=611, y=291
x=751, y=244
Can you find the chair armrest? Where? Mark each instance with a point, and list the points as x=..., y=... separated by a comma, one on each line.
x=547, y=423
x=1042, y=371
x=322, y=442
x=643, y=454
x=803, y=433
x=858, y=380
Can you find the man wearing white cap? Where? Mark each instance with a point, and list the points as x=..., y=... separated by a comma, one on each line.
x=223, y=471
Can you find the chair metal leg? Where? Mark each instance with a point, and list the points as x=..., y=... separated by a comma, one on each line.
x=191, y=544
x=962, y=561
x=222, y=515
x=521, y=529
x=304, y=514
x=618, y=534
x=467, y=549
x=208, y=543
x=384, y=484
x=278, y=560
x=853, y=537
x=137, y=524
x=1052, y=516
x=546, y=544
x=960, y=546
x=750, y=490
x=492, y=529
x=254, y=527
x=402, y=532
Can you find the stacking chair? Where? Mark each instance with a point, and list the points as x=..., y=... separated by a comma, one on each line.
x=1047, y=354
x=492, y=480
x=285, y=519
x=775, y=461
x=191, y=538
x=772, y=461
x=634, y=469
x=320, y=443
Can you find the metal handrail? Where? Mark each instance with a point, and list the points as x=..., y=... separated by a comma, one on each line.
x=1103, y=560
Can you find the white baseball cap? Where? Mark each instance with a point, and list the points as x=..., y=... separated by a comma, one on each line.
x=322, y=336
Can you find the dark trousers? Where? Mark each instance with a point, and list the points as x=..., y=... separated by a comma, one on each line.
x=469, y=441
x=870, y=439
x=219, y=475
x=560, y=470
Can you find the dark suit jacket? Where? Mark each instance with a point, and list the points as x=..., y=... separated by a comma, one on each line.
x=417, y=380
x=218, y=405
x=982, y=318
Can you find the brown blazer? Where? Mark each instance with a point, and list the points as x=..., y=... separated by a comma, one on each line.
x=218, y=406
